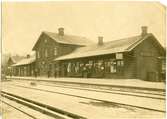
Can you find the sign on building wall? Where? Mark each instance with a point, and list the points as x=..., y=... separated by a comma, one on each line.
x=147, y=54
x=119, y=55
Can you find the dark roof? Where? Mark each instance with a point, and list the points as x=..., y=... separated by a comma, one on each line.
x=122, y=45
x=10, y=61
x=67, y=39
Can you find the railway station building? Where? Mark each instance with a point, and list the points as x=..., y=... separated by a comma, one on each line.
x=25, y=67
x=62, y=55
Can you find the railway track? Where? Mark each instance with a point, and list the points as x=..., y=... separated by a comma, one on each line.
x=124, y=89
x=120, y=92
x=43, y=108
x=112, y=91
x=110, y=88
x=85, y=86
x=17, y=108
x=140, y=107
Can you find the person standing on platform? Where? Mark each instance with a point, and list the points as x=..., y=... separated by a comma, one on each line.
x=35, y=73
x=48, y=73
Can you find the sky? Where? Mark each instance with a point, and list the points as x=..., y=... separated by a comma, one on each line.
x=23, y=22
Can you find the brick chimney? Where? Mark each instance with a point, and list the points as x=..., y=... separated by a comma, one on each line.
x=28, y=56
x=144, y=30
x=100, y=40
x=61, y=31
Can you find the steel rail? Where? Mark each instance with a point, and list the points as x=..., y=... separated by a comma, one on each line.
x=51, y=109
x=104, y=91
x=119, y=90
x=140, y=107
x=29, y=115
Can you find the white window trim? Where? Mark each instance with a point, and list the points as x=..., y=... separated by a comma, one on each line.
x=46, y=53
x=55, y=51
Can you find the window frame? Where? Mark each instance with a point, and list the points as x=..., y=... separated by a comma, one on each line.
x=38, y=54
x=108, y=64
x=46, y=52
x=120, y=63
x=55, y=51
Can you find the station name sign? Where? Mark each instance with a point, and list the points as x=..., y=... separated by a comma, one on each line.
x=119, y=55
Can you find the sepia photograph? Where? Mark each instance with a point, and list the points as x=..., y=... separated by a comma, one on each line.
x=83, y=60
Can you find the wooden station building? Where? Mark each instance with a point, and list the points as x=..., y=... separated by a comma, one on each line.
x=62, y=55
x=25, y=67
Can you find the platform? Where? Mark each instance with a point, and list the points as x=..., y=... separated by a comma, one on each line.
x=130, y=83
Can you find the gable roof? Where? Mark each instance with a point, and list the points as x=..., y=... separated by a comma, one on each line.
x=15, y=59
x=25, y=61
x=67, y=39
x=11, y=60
x=116, y=46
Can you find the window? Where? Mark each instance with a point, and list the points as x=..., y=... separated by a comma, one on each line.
x=89, y=64
x=43, y=62
x=55, y=51
x=24, y=70
x=81, y=66
x=98, y=66
x=113, y=68
x=77, y=67
x=163, y=65
x=69, y=67
x=73, y=67
x=120, y=63
x=45, y=40
x=107, y=66
x=110, y=66
x=38, y=56
x=46, y=53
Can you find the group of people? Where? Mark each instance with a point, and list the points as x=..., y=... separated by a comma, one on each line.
x=85, y=70
x=49, y=73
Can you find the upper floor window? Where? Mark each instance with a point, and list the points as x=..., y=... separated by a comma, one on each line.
x=55, y=51
x=38, y=55
x=46, y=53
x=45, y=40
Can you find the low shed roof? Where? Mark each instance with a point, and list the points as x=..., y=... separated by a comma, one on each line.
x=116, y=46
x=25, y=61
